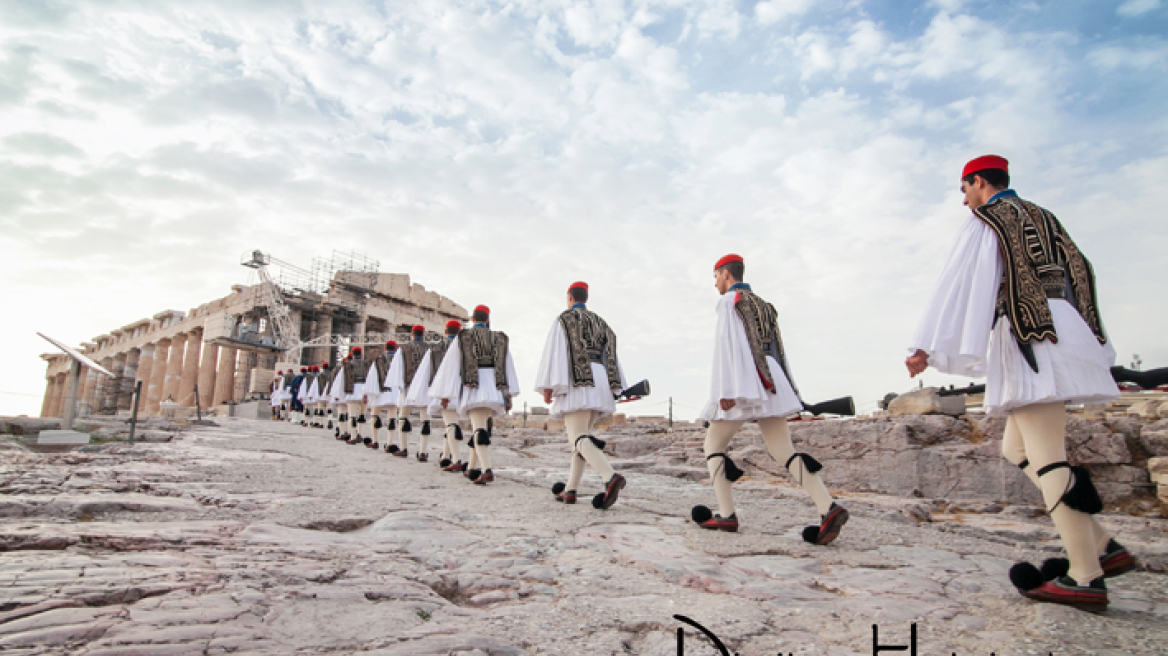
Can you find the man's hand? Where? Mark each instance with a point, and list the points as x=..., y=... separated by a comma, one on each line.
x=547, y=396
x=445, y=402
x=916, y=363
x=727, y=404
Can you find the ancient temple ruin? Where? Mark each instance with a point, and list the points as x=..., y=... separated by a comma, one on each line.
x=226, y=351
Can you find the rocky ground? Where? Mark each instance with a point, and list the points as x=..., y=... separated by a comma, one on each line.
x=266, y=538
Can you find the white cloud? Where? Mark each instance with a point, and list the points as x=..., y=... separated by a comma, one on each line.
x=1133, y=8
x=498, y=151
x=772, y=11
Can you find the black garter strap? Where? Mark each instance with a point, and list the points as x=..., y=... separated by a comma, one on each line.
x=1024, y=464
x=458, y=432
x=730, y=469
x=405, y=425
x=482, y=438
x=810, y=464
x=1080, y=494
x=599, y=443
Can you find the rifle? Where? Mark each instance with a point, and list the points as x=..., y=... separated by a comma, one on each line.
x=634, y=393
x=843, y=406
x=1146, y=379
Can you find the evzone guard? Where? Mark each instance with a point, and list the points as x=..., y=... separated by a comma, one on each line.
x=752, y=382
x=478, y=381
x=296, y=403
x=451, y=460
x=401, y=375
x=418, y=394
x=380, y=397
x=355, y=372
x=323, y=403
x=312, y=391
x=581, y=373
x=336, y=397
x=274, y=394
x=1015, y=281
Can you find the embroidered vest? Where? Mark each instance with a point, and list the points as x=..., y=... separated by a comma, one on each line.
x=381, y=366
x=356, y=370
x=412, y=354
x=762, y=333
x=483, y=348
x=589, y=340
x=1040, y=260
x=437, y=352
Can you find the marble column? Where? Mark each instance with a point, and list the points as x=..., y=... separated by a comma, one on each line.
x=107, y=389
x=86, y=392
x=323, y=328
x=157, y=376
x=207, y=375
x=47, y=402
x=190, y=369
x=59, y=396
x=243, y=366
x=145, y=370
x=225, y=376
x=174, y=367
x=118, y=383
x=129, y=375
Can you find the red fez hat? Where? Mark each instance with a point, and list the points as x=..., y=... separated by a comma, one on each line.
x=303, y=369
x=578, y=285
x=484, y=309
x=727, y=260
x=356, y=349
x=325, y=365
x=985, y=162
x=419, y=328
x=391, y=344
x=454, y=323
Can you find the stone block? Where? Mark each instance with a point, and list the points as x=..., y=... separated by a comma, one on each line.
x=1158, y=465
x=1147, y=409
x=927, y=402
x=539, y=410
x=1155, y=442
x=554, y=425
x=62, y=437
x=619, y=419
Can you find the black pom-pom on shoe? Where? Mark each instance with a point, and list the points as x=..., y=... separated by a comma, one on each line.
x=392, y=448
x=811, y=534
x=445, y=462
x=1025, y=576
x=1053, y=568
x=558, y=487
x=598, y=501
x=701, y=514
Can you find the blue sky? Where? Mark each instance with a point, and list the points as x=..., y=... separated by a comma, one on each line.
x=498, y=151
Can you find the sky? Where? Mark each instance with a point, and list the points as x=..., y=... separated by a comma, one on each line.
x=498, y=151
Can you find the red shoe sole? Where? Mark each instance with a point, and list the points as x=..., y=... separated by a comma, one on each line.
x=830, y=529
x=1118, y=565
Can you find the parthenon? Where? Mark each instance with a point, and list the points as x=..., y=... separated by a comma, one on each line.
x=185, y=358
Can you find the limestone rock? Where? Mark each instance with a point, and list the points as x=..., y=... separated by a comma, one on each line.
x=1147, y=409
x=927, y=402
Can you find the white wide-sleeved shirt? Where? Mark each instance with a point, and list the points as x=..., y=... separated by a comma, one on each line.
x=958, y=329
x=736, y=377
x=555, y=374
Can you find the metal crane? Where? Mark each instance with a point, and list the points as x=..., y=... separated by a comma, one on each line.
x=285, y=331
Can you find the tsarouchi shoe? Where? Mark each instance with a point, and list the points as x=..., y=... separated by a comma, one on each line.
x=401, y=453
x=453, y=467
x=606, y=499
x=423, y=456
x=484, y=478
x=1117, y=560
x=829, y=528
x=718, y=522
